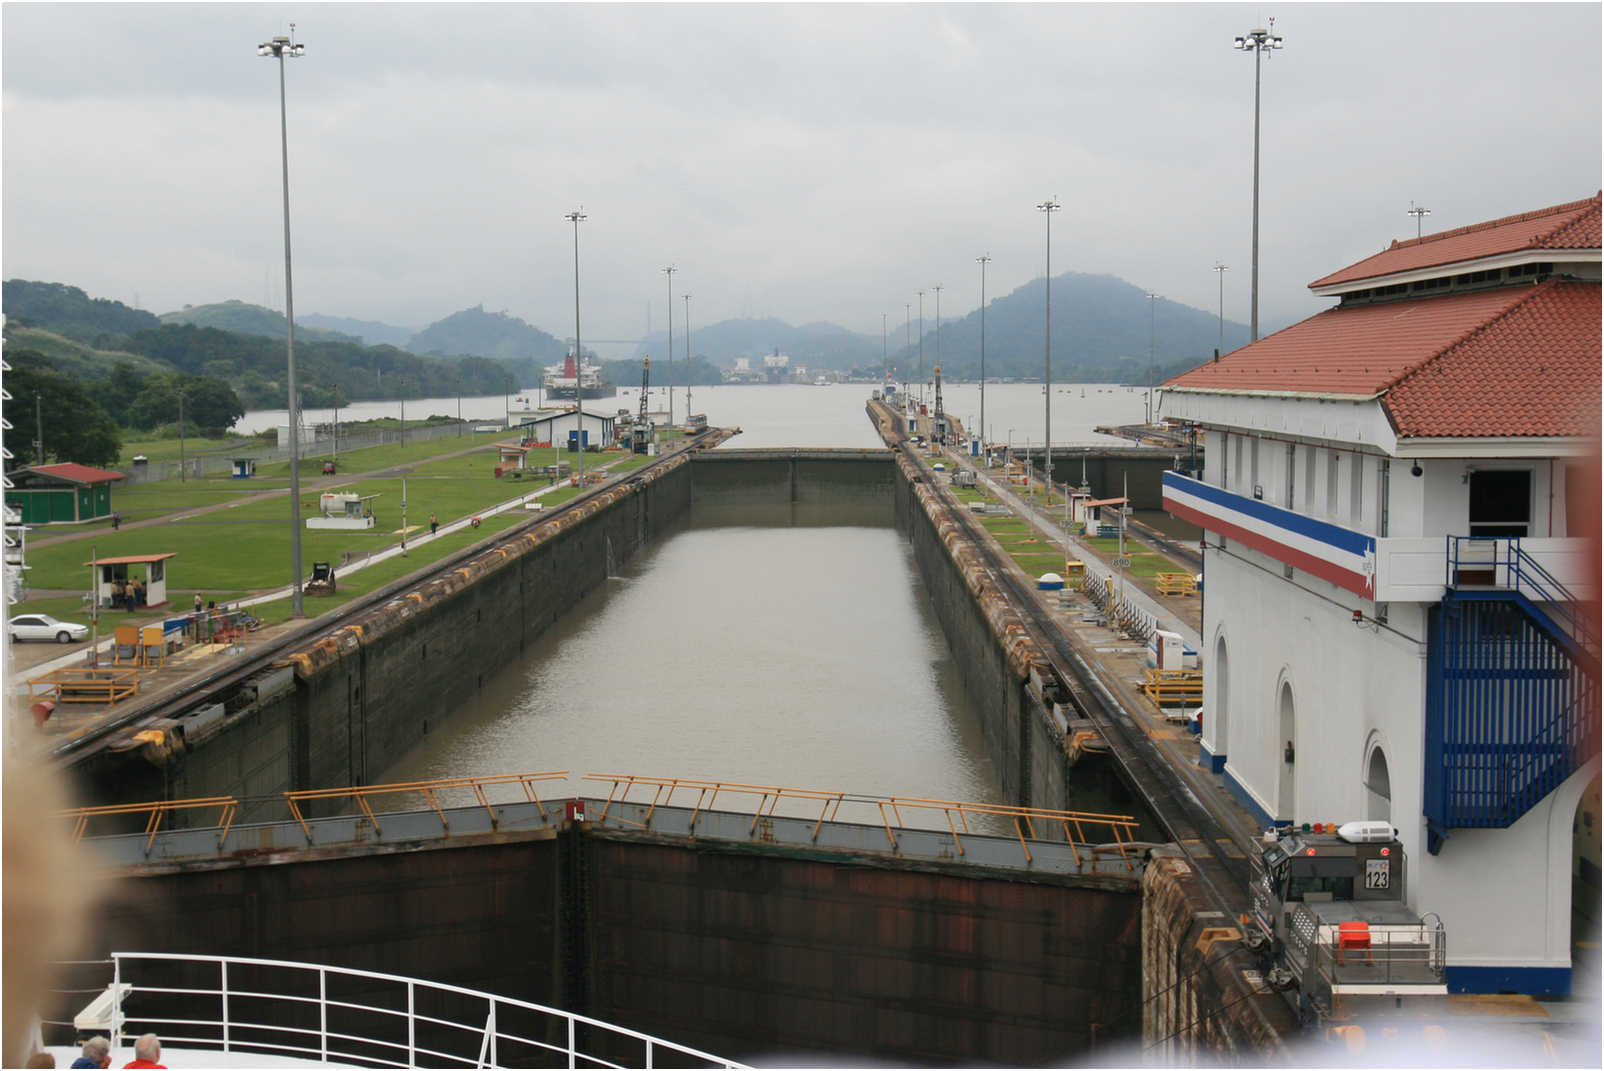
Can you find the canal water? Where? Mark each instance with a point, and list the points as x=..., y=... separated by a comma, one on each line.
x=759, y=645
x=768, y=646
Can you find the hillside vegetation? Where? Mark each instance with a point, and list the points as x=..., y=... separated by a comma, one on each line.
x=247, y=319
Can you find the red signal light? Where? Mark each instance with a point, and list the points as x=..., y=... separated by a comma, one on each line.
x=1386, y=851
x=1308, y=851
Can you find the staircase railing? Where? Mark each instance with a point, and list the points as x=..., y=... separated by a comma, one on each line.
x=1517, y=570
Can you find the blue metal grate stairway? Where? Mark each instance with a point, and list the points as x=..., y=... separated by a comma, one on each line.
x=1512, y=706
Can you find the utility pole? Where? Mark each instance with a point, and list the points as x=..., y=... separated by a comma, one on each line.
x=668, y=271
x=1418, y=211
x=983, y=260
x=180, y=436
x=1257, y=42
x=38, y=430
x=687, y=359
x=1048, y=208
x=1220, y=269
x=921, y=347
x=1152, y=348
x=575, y=218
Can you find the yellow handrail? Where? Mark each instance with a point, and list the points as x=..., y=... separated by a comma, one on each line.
x=361, y=793
x=157, y=809
x=1122, y=827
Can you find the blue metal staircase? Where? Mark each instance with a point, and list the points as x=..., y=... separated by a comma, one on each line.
x=1512, y=705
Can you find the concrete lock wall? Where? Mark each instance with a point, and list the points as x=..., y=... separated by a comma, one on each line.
x=755, y=953
x=777, y=958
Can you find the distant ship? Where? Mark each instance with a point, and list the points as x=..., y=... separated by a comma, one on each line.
x=565, y=381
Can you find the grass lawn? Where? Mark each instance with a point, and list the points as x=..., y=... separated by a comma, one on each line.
x=247, y=546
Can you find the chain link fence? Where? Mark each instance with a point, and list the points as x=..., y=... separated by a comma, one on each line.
x=315, y=442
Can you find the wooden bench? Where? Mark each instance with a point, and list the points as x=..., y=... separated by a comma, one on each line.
x=85, y=685
x=1175, y=583
x=1173, y=687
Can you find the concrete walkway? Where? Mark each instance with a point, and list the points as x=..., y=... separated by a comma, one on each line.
x=1052, y=527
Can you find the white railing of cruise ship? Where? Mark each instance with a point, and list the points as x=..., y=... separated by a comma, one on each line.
x=231, y=1031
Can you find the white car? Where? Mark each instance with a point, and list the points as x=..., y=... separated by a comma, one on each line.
x=45, y=627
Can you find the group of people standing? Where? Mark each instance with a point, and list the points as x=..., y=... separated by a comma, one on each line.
x=127, y=594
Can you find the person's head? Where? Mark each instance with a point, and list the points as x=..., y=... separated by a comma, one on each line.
x=97, y=1050
x=148, y=1047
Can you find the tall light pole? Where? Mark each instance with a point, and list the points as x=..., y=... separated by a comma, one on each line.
x=921, y=347
x=1220, y=268
x=1048, y=208
x=669, y=271
x=1257, y=42
x=907, y=344
x=575, y=218
x=1418, y=211
x=885, y=354
x=983, y=260
x=181, y=437
x=687, y=359
x=279, y=48
x=937, y=289
x=1152, y=347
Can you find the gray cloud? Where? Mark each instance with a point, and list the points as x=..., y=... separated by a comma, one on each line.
x=812, y=162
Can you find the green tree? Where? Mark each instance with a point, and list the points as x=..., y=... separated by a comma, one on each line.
x=75, y=427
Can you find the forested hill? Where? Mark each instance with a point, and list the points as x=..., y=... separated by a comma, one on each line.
x=246, y=319
x=1102, y=330
x=67, y=310
x=253, y=364
x=488, y=334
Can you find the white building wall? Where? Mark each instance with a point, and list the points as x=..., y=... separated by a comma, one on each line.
x=1355, y=688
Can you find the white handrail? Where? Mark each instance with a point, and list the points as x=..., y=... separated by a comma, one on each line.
x=235, y=1035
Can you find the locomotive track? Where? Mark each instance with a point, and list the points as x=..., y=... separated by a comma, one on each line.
x=1181, y=806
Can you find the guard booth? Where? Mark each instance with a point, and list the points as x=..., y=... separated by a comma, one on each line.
x=243, y=467
x=131, y=582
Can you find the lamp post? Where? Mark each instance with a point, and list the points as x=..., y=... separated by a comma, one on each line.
x=668, y=271
x=279, y=48
x=1257, y=42
x=885, y=355
x=907, y=344
x=1220, y=269
x=181, y=436
x=1152, y=347
x=983, y=260
x=1418, y=211
x=937, y=289
x=1048, y=208
x=687, y=359
x=575, y=217
x=921, y=347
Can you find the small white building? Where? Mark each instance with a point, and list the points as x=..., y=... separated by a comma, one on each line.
x=563, y=429
x=342, y=511
x=1400, y=504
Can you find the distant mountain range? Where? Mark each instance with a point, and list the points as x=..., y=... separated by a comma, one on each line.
x=1103, y=328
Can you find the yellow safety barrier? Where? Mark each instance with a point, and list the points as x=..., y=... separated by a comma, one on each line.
x=1169, y=687
x=1175, y=583
x=85, y=685
x=361, y=794
x=156, y=810
x=1122, y=828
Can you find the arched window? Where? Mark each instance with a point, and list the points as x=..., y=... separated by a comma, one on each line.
x=1378, y=788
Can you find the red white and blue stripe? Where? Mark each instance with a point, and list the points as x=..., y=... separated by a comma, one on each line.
x=1344, y=557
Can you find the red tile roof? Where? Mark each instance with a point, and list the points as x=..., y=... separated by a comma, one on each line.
x=76, y=473
x=1521, y=360
x=1533, y=371
x=1569, y=226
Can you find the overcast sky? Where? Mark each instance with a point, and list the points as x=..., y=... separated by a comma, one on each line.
x=809, y=162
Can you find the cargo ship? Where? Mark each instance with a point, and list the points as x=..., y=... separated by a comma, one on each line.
x=577, y=379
